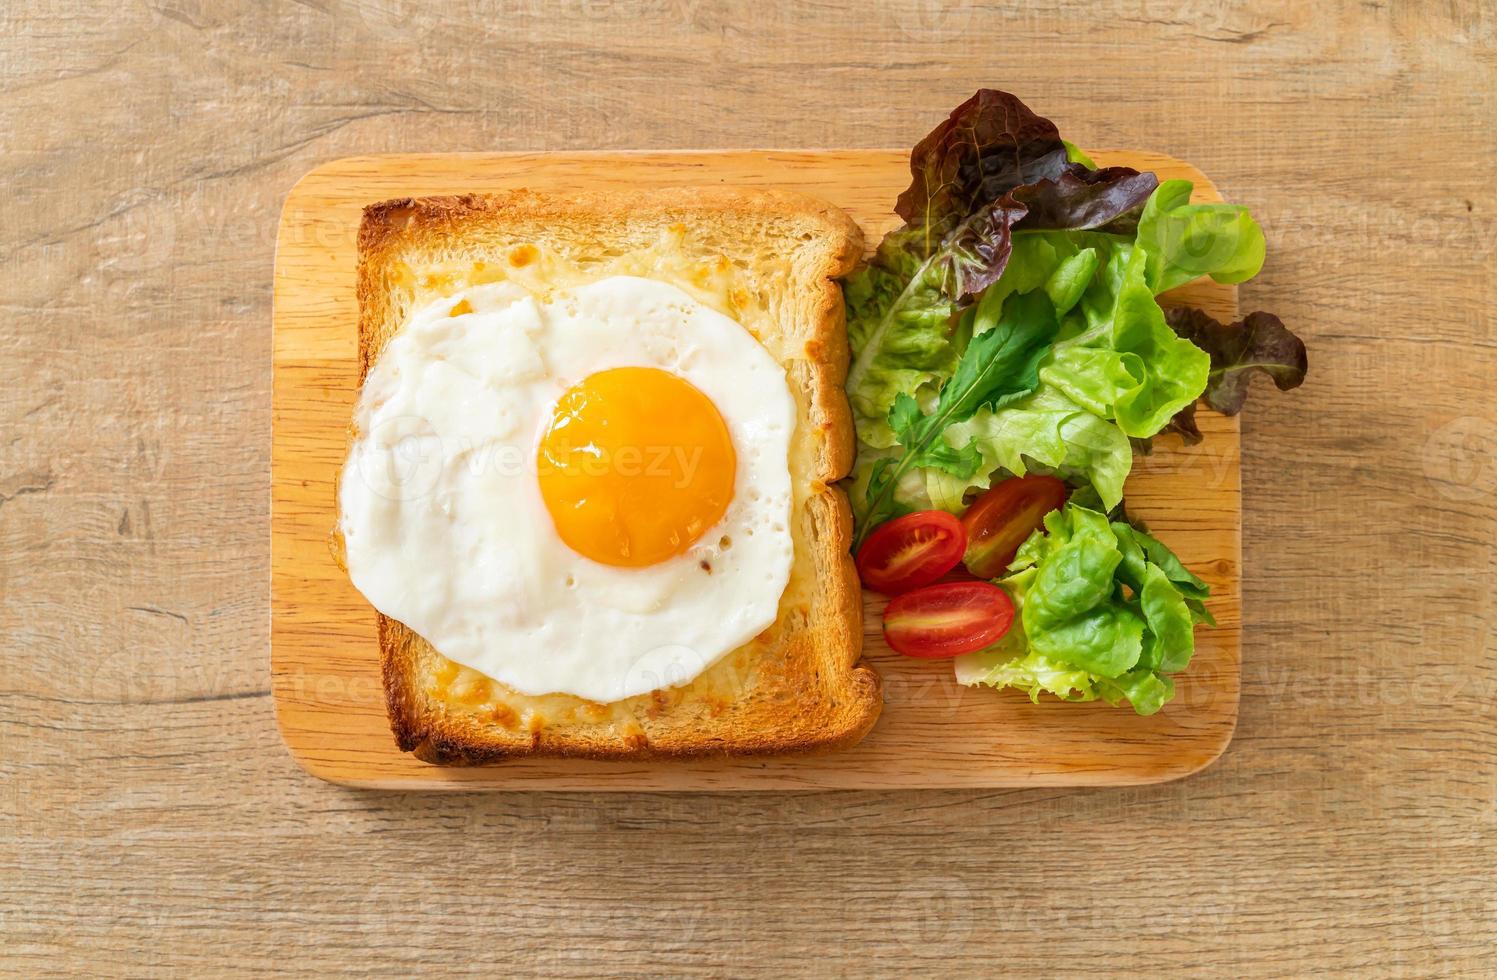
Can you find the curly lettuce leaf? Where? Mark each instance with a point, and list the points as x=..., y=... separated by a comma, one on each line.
x=986, y=147
x=1069, y=611
x=900, y=330
x=1146, y=690
x=1110, y=199
x=902, y=313
x=1046, y=432
x=1011, y=663
x=1105, y=611
x=1257, y=343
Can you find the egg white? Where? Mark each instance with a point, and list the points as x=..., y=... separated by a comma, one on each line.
x=442, y=518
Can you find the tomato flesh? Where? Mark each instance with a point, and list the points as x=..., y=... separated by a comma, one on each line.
x=911, y=551
x=1003, y=518
x=947, y=619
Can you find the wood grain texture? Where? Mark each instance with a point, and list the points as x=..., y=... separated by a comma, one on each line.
x=152, y=824
x=933, y=733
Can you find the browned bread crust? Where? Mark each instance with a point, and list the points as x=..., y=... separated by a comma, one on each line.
x=800, y=685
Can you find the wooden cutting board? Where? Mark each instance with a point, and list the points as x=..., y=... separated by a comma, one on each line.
x=933, y=732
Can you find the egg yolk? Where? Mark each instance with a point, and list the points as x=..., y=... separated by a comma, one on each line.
x=635, y=466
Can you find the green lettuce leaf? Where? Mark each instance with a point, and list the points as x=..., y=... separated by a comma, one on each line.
x=1128, y=365
x=1146, y=690
x=1075, y=154
x=1183, y=424
x=1068, y=281
x=902, y=313
x=1186, y=241
x=1142, y=552
x=1044, y=432
x=1026, y=671
x=1069, y=613
x=899, y=323
x=1105, y=611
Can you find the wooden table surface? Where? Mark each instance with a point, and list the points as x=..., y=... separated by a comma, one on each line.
x=151, y=822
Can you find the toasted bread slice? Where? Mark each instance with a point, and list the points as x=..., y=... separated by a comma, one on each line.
x=772, y=258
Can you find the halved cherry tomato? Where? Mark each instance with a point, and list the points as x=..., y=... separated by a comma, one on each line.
x=911, y=551
x=947, y=619
x=1004, y=517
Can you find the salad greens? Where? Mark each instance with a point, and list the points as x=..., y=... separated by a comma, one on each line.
x=1010, y=326
x=1045, y=431
x=958, y=239
x=1096, y=246
x=1260, y=342
x=1186, y=241
x=1106, y=611
x=998, y=366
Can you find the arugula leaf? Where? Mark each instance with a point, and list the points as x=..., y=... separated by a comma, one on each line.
x=999, y=365
x=901, y=312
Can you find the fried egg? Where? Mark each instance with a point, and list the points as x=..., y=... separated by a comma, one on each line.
x=586, y=492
